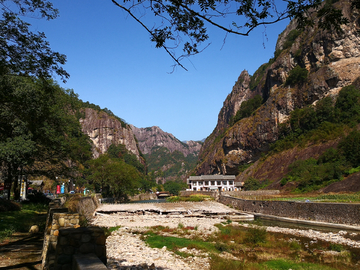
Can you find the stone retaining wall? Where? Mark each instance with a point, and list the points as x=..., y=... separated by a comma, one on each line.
x=251, y=193
x=209, y=193
x=63, y=236
x=339, y=213
x=79, y=241
x=87, y=206
x=57, y=219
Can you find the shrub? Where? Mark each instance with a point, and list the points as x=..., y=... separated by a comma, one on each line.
x=255, y=235
x=348, y=104
x=297, y=75
x=255, y=184
x=350, y=146
x=293, y=34
x=247, y=108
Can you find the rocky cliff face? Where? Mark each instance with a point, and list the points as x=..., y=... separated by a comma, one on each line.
x=105, y=130
x=332, y=60
x=153, y=137
x=166, y=156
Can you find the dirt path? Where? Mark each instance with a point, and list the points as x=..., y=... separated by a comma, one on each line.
x=22, y=251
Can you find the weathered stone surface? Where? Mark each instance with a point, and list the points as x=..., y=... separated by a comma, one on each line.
x=332, y=60
x=105, y=130
x=151, y=137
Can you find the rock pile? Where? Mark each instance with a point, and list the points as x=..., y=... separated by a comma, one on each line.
x=125, y=250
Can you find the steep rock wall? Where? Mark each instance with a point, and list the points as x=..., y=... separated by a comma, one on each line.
x=332, y=60
x=105, y=130
x=151, y=137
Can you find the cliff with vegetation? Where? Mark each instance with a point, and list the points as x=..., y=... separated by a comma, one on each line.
x=105, y=129
x=167, y=157
x=266, y=121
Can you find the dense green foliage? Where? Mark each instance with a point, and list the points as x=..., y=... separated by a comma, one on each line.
x=23, y=52
x=254, y=184
x=169, y=164
x=113, y=177
x=174, y=187
x=323, y=122
x=38, y=132
x=120, y=152
x=297, y=75
x=246, y=109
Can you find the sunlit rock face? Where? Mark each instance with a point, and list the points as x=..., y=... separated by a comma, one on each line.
x=105, y=130
x=332, y=60
x=151, y=137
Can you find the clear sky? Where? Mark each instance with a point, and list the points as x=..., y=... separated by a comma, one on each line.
x=113, y=63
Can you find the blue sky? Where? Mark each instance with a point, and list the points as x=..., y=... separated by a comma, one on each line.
x=113, y=63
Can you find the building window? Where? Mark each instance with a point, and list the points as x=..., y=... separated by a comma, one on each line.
x=224, y=183
x=189, y=181
x=206, y=183
x=219, y=183
x=231, y=182
x=200, y=183
x=213, y=183
x=194, y=183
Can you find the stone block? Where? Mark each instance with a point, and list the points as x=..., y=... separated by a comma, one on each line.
x=74, y=221
x=88, y=261
x=63, y=241
x=100, y=251
x=69, y=250
x=64, y=259
x=66, y=266
x=61, y=222
x=56, y=233
x=86, y=248
x=85, y=238
x=100, y=240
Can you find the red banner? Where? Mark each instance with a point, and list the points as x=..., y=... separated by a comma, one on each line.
x=1, y=188
x=58, y=189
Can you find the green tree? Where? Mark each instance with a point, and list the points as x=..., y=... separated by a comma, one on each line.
x=350, y=147
x=23, y=52
x=297, y=75
x=113, y=177
x=247, y=108
x=120, y=151
x=174, y=187
x=37, y=129
x=347, y=104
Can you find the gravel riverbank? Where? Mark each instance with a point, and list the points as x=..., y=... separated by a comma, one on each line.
x=125, y=249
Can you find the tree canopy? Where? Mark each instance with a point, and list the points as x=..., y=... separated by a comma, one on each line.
x=23, y=52
x=186, y=22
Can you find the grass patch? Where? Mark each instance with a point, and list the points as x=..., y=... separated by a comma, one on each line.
x=20, y=221
x=254, y=248
x=175, y=243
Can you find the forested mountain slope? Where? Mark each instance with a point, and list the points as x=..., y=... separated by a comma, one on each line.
x=166, y=156
x=278, y=104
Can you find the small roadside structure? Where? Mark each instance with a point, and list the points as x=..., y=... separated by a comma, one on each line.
x=212, y=182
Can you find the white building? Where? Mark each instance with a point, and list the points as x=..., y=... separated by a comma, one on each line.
x=213, y=182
